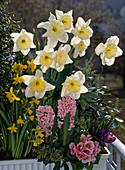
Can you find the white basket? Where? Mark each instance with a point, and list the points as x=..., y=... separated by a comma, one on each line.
x=33, y=164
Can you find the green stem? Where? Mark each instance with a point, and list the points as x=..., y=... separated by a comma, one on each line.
x=88, y=63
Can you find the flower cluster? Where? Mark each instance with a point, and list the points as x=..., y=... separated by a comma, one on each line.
x=45, y=118
x=86, y=149
x=65, y=106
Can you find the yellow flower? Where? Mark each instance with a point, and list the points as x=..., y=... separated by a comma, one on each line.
x=18, y=80
x=38, y=132
x=31, y=117
x=20, y=121
x=18, y=68
x=31, y=65
x=12, y=128
x=37, y=142
x=11, y=96
x=35, y=101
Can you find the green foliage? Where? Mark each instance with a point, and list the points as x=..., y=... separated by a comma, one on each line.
x=7, y=26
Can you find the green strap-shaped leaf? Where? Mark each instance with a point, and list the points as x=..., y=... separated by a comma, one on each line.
x=65, y=129
x=18, y=143
x=4, y=117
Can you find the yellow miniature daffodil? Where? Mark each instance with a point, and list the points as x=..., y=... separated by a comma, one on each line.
x=18, y=68
x=37, y=86
x=66, y=19
x=23, y=41
x=29, y=111
x=109, y=50
x=12, y=128
x=11, y=96
x=31, y=117
x=31, y=65
x=73, y=85
x=20, y=121
x=35, y=101
x=18, y=80
x=55, y=31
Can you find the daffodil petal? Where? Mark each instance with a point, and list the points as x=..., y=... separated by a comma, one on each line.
x=25, y=52
x=52, y=42
x=59, y=14
x=113, y=40
x=44, y=25
x=39, y=95
x=80, y=76
x=119, y=52
x=29, y=92
x=38, y=74
x=36, y=60
x=27, y=79
x=64, y=38
x=100, y=49
x=83, y=89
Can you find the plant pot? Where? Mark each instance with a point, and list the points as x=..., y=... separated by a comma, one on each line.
x=33, y=164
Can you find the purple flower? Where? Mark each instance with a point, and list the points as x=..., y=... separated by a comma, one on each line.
x=107, y=136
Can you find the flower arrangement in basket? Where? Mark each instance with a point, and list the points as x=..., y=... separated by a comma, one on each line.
x=55, y=108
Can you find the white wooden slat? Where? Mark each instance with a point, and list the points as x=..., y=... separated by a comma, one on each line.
x=118, y=161
x=17, y=167
x=23, y=167
x=29, y=166
x=11, y=167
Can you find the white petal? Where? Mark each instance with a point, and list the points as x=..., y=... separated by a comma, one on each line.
x=67, y=48
x=80, y=22
x=29, y=35
x=64, y=38
x=49, y=86
x=36, y=60
x=82, y=54
x=27, y=79
x=59, y=68
x=52, y=17
x=64, y=91
x=119, y=52
x=52, y=42
x=102, y=56
x=39, y=95
x=29, y=92
x=110, y=62
x=44, y=68
x=113, y=39
x=44, y=25
x=80, y=76
x=45, y=35
x=100, y=49
x=83, y=89
x=48, y=49
x=88, y=22
x=75, y=55
x=23, y=31
x=33, y=45
x=75, y=40
x=59, y=14
x=25, y=52
x=15, y=48
x=70, y=12
x=38, y=73
x=15, y=36
x=68, y=61
x=75, y=95
x=86, y=42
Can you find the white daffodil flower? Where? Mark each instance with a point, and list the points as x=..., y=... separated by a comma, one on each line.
x=43, y=58
x=55, y=31
x=61, y=57
x=73, y=85
x=36, y=85
x=23, y=41
x=82, y=29
x=109, y=50
x=66, y=19
x=80, y=46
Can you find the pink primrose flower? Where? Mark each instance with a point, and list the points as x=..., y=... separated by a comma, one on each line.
x=73, y=148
